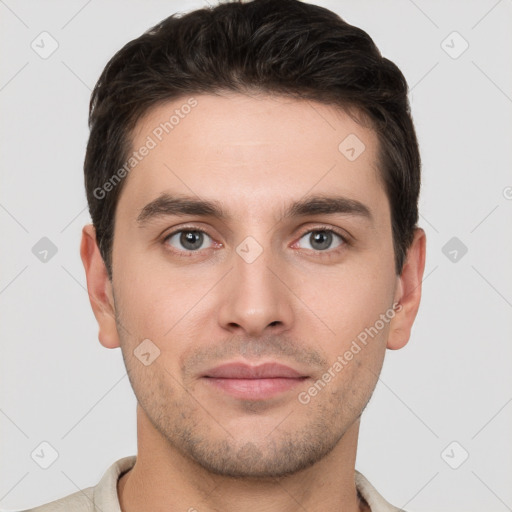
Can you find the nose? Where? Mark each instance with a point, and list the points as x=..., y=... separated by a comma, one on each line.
x=255, y=299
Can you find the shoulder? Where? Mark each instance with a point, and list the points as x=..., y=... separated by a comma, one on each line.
x=375, y=501
x=80, y=501
x=99, y=498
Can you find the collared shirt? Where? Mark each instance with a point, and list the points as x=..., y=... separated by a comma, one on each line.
x=103, y=496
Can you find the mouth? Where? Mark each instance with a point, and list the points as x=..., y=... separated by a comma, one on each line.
x=249, y=382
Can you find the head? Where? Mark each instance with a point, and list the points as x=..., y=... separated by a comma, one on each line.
x=253, y=175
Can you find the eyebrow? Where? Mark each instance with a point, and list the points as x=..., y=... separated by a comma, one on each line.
x=168, y=205
x=316, y=205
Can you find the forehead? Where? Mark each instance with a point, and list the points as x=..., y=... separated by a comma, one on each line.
x=250, y=151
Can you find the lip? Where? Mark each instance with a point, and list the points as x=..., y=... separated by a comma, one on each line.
x=253, y=382
x=245, y=371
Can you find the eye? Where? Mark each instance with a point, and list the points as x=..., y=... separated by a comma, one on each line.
x=321, y=240
x=188, y=240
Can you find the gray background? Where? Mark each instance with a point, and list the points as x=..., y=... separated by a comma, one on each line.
x=451, y=383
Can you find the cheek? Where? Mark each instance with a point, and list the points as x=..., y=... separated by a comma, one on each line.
x=158, y=302
x=349, y=301
x=347, y=297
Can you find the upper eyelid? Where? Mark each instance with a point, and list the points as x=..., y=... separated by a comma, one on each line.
x=187, y=228
x=325, y=228
x=306, y=231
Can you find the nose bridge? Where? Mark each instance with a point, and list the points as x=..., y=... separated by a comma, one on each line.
x=254, y=298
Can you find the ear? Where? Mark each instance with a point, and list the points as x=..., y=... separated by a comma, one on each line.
x=408, y=292
x=99, y=288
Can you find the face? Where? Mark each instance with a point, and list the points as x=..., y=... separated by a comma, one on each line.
x=252, y=252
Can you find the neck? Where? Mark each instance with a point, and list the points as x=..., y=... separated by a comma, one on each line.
x=163, y=479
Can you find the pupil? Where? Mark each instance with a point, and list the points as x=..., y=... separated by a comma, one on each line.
x=321, y=239
x=191, y=239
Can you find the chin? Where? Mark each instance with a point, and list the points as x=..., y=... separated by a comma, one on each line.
x=264, y=460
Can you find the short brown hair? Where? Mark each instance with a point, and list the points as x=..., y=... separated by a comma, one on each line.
x=285, y=47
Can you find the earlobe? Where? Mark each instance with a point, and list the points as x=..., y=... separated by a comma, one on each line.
x=99, y=288
x=408, y=292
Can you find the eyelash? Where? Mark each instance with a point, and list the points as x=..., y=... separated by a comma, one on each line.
x=326, y=253
x=183, y=254
x=329, y=252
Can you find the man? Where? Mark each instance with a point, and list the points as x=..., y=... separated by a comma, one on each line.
x=253, y=176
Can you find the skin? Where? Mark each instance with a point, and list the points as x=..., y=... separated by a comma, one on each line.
x=199, y=447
